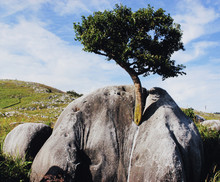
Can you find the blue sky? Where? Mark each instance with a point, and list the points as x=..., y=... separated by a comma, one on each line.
x=37, y=44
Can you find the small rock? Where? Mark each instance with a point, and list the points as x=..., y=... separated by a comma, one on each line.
x=199, y=118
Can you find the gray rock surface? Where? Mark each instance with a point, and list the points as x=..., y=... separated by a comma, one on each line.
x=26, y=139
x=199, y=118
x=212, y=124
x=95, y=139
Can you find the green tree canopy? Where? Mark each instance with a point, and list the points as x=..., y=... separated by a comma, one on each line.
x=141, y=42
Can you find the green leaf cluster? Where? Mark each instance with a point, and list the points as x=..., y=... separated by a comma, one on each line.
x=190, y=113
x=142, y=42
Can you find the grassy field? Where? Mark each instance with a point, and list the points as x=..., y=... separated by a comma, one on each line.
x=22, y=102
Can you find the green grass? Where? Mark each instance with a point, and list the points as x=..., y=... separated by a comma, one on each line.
x=13, y=170
x=24, y=102
x=211, y=145
x=208, y=116
x=213, y=176
x=30, y=102
x=23, y=93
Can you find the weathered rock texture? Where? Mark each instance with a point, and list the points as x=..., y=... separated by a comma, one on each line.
x=25, y=140
x=212, y=124
x=95, y=139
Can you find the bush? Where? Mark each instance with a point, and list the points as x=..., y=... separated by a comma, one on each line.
x=74, y=94
x=190, y=113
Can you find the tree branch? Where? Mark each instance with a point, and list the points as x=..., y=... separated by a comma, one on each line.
x=100, y=53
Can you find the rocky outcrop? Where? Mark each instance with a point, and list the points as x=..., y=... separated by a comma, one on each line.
x=212, y=124
x=95, y=139
x=26, y=139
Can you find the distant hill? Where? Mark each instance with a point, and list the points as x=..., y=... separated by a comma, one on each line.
x=22, y=101
x=13, y=92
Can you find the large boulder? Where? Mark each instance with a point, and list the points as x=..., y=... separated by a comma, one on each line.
x=25, y=140
x=95, y=139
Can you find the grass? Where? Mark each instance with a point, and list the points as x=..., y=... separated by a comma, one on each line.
x=213, y=176
x=211, y=145
x=208, y=116
x=29, y=102
x=14, y=169
x=25, y=102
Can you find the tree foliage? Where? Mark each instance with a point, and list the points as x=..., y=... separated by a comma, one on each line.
x=141, y=41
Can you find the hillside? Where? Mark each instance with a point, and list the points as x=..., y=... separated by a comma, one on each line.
x=30, y=102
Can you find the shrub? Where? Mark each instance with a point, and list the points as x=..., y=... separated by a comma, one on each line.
x=74, y=94
x=190, y=113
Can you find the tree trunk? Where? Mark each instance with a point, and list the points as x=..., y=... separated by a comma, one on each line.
x=138, y=93
x=138, y=100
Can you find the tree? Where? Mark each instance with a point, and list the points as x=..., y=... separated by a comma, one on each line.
x=141, y=42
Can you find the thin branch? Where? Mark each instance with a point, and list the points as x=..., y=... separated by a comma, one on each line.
x=100, y=53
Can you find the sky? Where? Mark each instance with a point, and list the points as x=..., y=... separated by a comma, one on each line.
x=37, y=44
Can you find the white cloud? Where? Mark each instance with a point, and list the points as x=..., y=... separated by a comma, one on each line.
x=197, y=50
x=199, y=89
x=81, y=6
x=10, y=7
x=64, y=7
x=30, y=52
x=194, y=17
x=69, y=6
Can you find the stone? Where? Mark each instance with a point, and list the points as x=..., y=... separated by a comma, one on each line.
x=199, y=118
x=25, y=140
x=95, y=139
x=212, y=124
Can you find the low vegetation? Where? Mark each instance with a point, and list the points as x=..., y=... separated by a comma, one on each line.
x=22, y=102
x=211, y=144
x=30, y=102
x=13, y=170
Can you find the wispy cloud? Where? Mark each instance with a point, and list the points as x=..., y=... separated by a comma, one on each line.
x=198, y=89
x=196, y=50
x=194, y=17
x=30, y=52
x=80, y=6
x=69, y=7
x=10, y=7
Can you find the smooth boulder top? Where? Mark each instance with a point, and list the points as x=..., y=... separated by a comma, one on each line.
x=95, y=139
x=212, y=124
x=25, y=140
